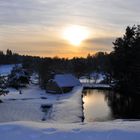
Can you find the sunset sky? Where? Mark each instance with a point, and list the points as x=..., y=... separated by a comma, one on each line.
x=64, y=28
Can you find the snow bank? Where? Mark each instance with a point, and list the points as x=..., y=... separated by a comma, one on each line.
x=94, y=78
x=89, y=85
x=50, y=131
x=68, y=109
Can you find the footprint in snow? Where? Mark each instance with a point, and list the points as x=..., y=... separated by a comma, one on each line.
x=49, y=130
x=76, y=130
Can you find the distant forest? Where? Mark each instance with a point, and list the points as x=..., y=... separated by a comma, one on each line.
x=122, y=64
x=99, y=62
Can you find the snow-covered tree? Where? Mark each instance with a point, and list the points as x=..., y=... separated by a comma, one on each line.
x=19, y=77
x=3, y=87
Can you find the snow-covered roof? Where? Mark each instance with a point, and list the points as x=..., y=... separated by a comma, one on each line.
x=66, y=80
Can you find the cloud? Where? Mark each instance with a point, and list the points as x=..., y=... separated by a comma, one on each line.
x=29, y=18
x=39, y=11
x=101, y=41
x=99, y=44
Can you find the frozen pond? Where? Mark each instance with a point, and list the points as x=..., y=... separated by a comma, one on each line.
x=105, y=105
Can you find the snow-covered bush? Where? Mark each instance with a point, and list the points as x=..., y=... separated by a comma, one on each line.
x=3, y=86
x=19, y=77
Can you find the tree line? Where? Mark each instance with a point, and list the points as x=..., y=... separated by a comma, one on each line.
x=45, y=67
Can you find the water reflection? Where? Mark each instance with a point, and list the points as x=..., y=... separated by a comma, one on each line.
x=124, y=106
x=100, y=105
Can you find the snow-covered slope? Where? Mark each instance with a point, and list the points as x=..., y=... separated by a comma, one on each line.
x=6, y=69
x=25, y=106
x=68, y=108
x=51, y=131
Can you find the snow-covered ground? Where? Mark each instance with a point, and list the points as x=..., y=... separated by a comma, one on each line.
x=23, y=107
x=6, y=69
x=21, y=118
x=27, y=106
x=94, y=78
x=90, y=85
x=68, y=109
x=51, y=131
x=95, y=81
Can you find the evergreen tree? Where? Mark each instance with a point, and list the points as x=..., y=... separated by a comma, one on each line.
x=3, y=87
x=19, y=77
x=126, y=60
x=9, y=52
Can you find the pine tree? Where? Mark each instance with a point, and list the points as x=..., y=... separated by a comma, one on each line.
x=126, y=60
x=19, y=77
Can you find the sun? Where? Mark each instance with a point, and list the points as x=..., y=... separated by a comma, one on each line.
x=75, y=34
